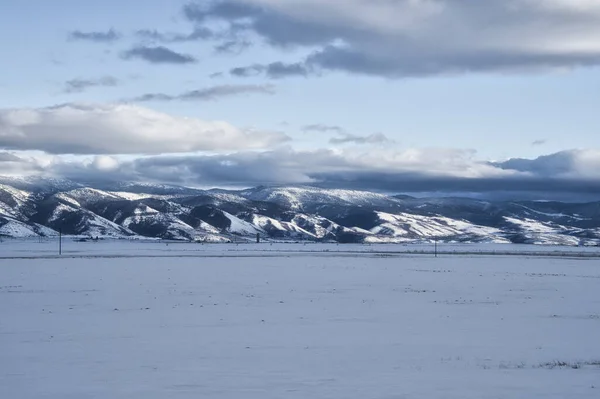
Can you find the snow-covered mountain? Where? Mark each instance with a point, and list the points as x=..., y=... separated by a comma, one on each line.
x=42, y=207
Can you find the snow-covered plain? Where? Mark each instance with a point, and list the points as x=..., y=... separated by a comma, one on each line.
x=71, y=247
x=295, y=321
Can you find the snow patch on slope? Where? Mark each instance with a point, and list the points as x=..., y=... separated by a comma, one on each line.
x=18, y=229
x=534, y=226
x=270, y=225
x=66, y=198
x=409, y=225
x=130, y=196
x=171, y=226
x=19, y=195
x=240, y=226
x=89, y=195
x=297, y=197
x=12, y=200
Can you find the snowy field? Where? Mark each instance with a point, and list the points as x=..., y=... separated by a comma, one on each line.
x=48, y=248
x=287, y=321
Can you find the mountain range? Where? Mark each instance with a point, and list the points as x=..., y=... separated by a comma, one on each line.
x=31, y=207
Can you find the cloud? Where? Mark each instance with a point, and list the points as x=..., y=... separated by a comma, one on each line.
x=248, y=71
x=539, y=142
x=109, y=36
x=80, y=85
x=409, y=38
x=240, y=168
x=547, y=166
x=568, y=164
x=11, y=164
x=122, y=129
x=507, y=188
x=9, y=157
x=232, y=47
x=425, y=170
x=275, y=70
x=431, y=170
x=199, y=33
x=343, y=137
x=229, y=41
x=346, y=138
x=322, y=128
x=417, y=171
x=200, y=12
x=158, y=55
x=208, y=94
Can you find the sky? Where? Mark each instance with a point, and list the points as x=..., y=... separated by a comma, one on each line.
x=393, y=95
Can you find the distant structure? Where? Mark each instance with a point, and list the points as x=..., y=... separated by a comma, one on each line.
x=258, y=238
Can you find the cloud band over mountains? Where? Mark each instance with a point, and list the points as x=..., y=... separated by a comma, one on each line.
x=429, y=171
x=127, y=142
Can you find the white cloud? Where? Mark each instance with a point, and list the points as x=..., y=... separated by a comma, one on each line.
x=587, y=163
x=122, y=129
x=19, y=165
x=105, y=163
x=442, y=162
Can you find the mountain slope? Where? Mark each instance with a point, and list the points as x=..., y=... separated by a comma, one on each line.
x=32, y=207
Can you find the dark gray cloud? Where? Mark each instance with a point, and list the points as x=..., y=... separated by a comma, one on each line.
x=401, y=65
x=209, y=93
x=80, y=85
x=279, y=28
x=109, y=36
x=158, y=55
x=332, y=58
x=406, y=38
x=347, y=138
x=514, y=187
x=545, y=166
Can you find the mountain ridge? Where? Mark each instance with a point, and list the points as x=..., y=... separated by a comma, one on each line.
x=31, y=207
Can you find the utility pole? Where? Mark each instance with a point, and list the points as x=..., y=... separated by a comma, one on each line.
x=60, y=241
x=435, y=246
